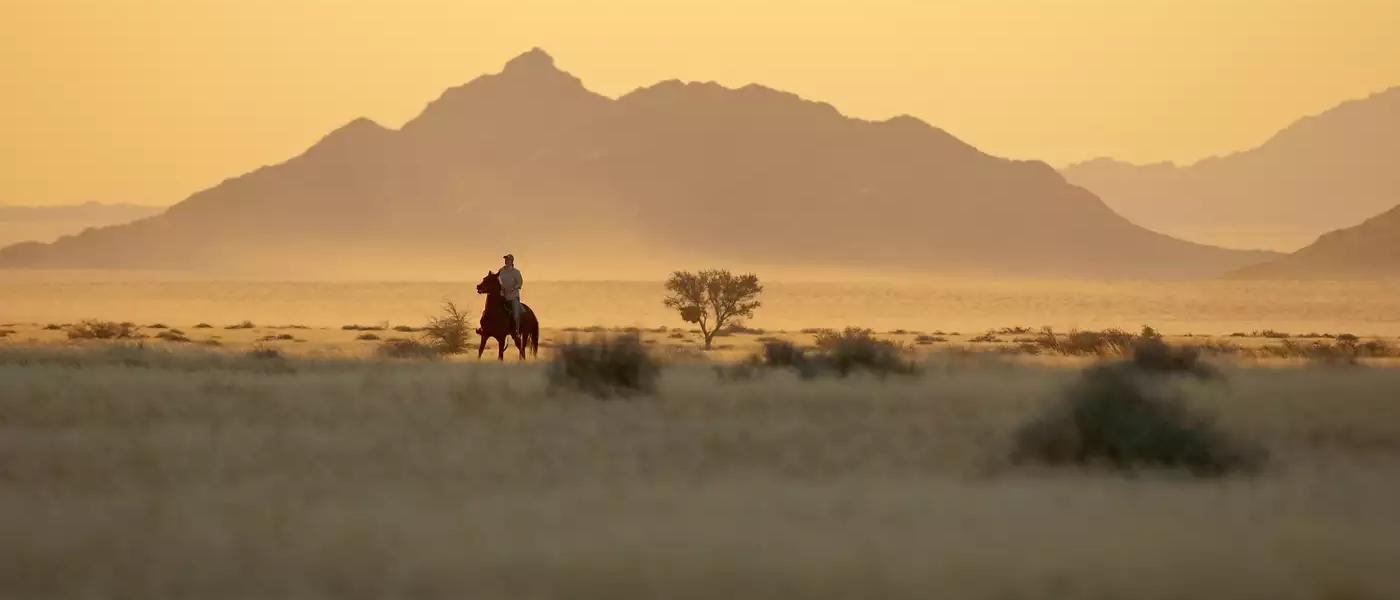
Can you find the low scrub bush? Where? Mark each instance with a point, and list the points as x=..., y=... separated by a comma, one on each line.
x=264, y=353
x=407, y=349
x=855, y=349
x=243, y=325
x=101, y=330
x=406, y=329
x=1343, y=351
x=605, y=366
x=172, y=335
x=741, y=328
x=1128, y=415
x=1109, y=342
x=924, y=339
x=203, y=326
x=367, y=337
x=363, y=327
x=450, y=330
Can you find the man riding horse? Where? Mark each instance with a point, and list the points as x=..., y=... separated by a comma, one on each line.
x=511, y=282
x=504, y=316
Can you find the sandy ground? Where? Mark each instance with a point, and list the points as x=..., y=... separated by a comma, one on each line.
x=678, y=343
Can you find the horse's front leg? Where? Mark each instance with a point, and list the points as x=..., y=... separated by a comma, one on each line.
x=482, y=348
x=518, y=344
x=501, y=348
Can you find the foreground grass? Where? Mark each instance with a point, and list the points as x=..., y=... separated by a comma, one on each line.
x=142, y=473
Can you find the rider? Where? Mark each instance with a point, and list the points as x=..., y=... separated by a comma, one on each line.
x=511, y=282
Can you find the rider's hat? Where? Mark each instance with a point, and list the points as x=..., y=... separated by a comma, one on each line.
x=509, y=256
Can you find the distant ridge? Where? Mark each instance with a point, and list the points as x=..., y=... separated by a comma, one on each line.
x=1368, y=250
x=1321, y=173
x=667, y=176
x=48, y=223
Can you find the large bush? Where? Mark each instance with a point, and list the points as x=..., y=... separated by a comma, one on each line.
x=1131, y=414
x=605, y=366
x=856, y=349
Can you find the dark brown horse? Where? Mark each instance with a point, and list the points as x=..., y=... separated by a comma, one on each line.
x=496, y=322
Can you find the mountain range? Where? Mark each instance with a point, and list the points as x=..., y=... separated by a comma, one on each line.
x=1366, y=251
x=674, y=175
x=1322, y=173
x=48, y=223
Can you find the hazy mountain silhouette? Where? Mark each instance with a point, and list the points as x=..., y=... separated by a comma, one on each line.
x=668, y=176
x=48, y=223
x=1371, y=249
x=1322, y=173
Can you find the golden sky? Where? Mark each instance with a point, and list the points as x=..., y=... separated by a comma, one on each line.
x=149, y=100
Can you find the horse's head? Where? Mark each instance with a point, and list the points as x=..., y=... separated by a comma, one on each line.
x=490, y=284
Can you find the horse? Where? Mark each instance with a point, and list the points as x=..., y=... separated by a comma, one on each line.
x=495, y=321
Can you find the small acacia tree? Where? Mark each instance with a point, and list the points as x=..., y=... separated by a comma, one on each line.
x=712, y=298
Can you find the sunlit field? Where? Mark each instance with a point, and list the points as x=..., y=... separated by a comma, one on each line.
x=154, y=469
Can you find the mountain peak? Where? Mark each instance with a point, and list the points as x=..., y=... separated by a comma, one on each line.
x=534, y=61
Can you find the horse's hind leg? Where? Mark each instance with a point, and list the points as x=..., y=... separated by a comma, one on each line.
x=501, y=348
x=520, y=344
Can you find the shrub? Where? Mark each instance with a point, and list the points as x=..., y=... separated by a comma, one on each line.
x=406, y=329
x=265, y=353
x=101, y=330
x=449, y=332
x=243, y=325
x=1346, y=351
x=6, y=332
x=924, y=339
x=157, y=326
x=363, y=327
x=408, y=349
x=604, y=367
x=857, y=349
x=989, y=337
x=1128, y=415
x=1081, y=343
x=1269, y=333
x=740, y=328
x=53, y=327
x=172, y=336
x=367, y=337
x=677, y=336
x=203, y=326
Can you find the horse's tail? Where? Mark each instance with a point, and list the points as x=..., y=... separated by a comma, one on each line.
x=535, y=341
